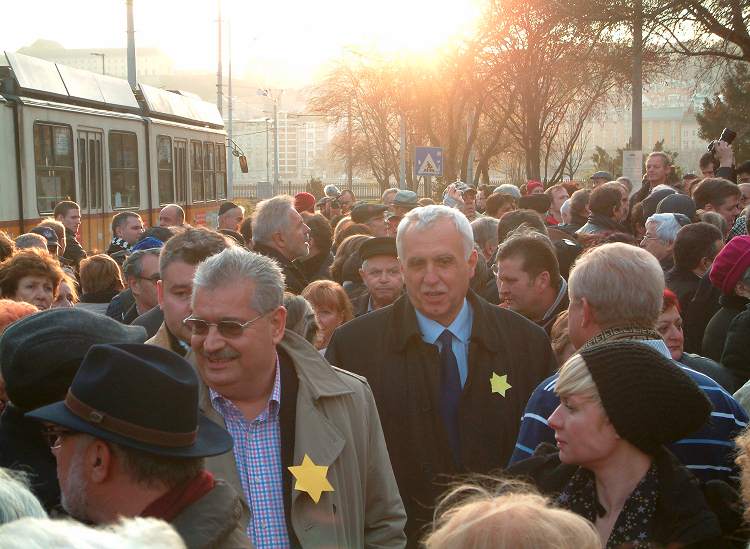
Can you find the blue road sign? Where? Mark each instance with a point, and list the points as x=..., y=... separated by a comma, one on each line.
x=428, y=161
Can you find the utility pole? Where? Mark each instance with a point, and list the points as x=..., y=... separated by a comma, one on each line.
x=276, y=139
x=402, y=152
x=132, y=79
x=268, y=166
x=637, y=78
x=470, y=156
x=218, y=69
x=349, y=170
x=230, y=156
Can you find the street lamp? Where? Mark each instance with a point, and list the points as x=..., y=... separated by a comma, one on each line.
x=102, y=56
x=268, y=173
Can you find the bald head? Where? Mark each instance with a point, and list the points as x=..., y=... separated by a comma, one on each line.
x=171, y=215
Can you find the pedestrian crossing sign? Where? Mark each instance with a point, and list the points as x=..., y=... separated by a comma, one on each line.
x=428, y=161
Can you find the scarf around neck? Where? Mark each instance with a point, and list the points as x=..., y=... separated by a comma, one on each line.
x=620, y=334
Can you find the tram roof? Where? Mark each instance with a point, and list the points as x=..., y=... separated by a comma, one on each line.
x=57, y=82
x=38, y=76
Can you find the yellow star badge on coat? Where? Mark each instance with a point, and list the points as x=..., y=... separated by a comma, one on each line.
x=311, y=478
x=499, y=384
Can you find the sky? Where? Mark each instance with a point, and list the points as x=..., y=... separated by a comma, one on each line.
x=286, y=43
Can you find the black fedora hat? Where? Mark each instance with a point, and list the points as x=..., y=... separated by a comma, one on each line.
x=141, y=397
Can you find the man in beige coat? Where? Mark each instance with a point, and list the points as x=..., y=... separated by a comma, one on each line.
x=309, y=455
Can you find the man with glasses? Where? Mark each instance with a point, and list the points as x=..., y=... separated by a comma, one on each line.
x=40, y=355
x=177, y=263
x=129, y=442
x=309, y=455
x=141, y=271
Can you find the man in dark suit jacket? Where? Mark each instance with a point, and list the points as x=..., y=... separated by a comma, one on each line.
x=450, y=372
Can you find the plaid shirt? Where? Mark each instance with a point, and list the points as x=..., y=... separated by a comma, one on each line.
x=257, y=453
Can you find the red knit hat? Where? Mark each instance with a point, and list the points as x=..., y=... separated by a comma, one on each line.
x=531, y=185
x=304, y=202
x=731, y=263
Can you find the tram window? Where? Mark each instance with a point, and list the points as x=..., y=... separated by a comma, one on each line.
x=166, y=169
x=123, y=170
x=53, y=159
x=196, y=170
x=208, y=170
x=221, y=171
x=180, y=161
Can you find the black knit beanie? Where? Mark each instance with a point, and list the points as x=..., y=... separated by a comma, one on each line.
x=647, y=397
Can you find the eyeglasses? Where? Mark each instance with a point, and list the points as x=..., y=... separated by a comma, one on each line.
x=227, y=328
x=55, y=435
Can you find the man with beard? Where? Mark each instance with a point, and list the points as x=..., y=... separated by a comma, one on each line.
x=279, y=232
x=40, y=355
x=381, y=274
x=129, y=442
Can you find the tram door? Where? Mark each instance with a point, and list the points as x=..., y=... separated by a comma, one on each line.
x=92, y=199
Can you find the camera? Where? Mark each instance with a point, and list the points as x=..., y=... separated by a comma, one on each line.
x=727, y=136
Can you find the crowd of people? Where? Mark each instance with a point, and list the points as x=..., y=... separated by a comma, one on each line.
x=513, y=367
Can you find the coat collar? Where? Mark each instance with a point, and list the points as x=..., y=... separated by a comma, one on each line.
x=312, y=369
x=405, y=327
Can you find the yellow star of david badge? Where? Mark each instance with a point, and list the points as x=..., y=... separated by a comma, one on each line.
x=499, y=384
x=311, y=478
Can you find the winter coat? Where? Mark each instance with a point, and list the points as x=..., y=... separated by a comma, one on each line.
x=715, y=335
x=74, y=252
x=214, y=521
x=736, y=355
x=336, y=424
x=24, y=448
x=683, y=516
x=404, y=372
x=294, y=278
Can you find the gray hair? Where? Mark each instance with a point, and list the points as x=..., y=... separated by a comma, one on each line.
x=426, y=216
x=133, y=266
x=42, y=533
x=30, y=240
x=623, y=284
x=16, y=500
x=270, y=217
x=627, y=182
x=565, y=208
x=237, y=264
x=392, y=190
x=715, y=219
x=485, y=230
x=667, y=226
x=508, y=188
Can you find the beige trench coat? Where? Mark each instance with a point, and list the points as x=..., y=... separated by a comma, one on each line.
x=337, y=425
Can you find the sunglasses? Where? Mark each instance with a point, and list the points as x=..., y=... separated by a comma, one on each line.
x=55, y=435
x=227, y=328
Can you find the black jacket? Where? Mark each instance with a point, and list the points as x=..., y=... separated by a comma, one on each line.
x=120, y=305
x=683, y=515
x=24, y=448
x=736, y=355
x=716, y=331
x=317, y=267
x=361, y=304
x=386, y=347
x=294, y=278
x=721, y=375
x=74, y=252
x=683, y=283
x=700, y=310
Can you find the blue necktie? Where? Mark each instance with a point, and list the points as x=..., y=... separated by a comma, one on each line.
x=450, y=393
